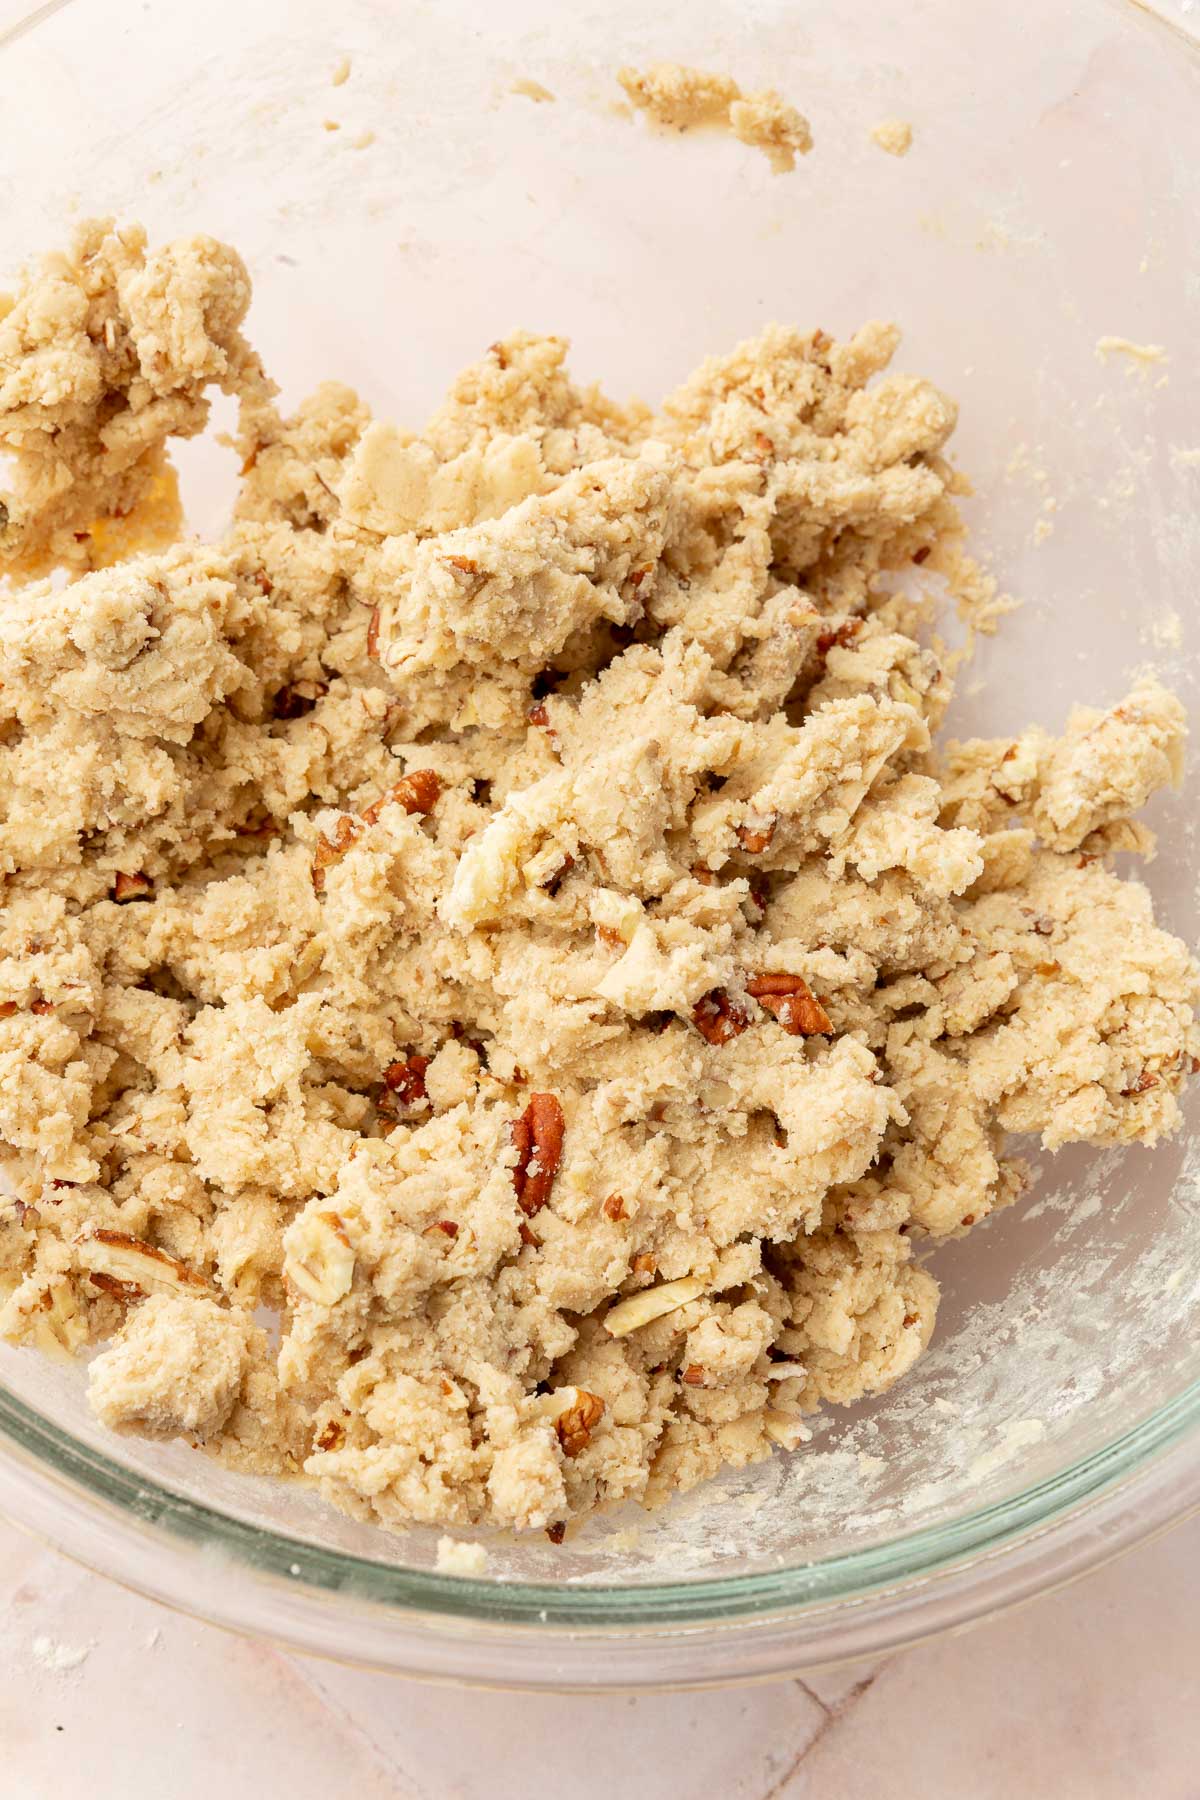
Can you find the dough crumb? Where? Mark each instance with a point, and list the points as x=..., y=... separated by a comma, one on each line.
x=1141, y=356
x=61, y=1658
x=683, y=99
x=341, y=72
x=455, y=1556
x=530, y=89
x=893, y=135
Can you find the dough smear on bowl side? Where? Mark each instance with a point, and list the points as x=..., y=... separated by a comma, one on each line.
x=506, y=908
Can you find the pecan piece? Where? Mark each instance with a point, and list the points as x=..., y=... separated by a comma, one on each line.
x=373, y=634
x=406, y=1078
x=124, y=1291
x=538, y=1136
x=637, y=1310
x=838, y=638
x=7, y=1008
x=298, y=698
x=132, y=887
x=134, y=1262
x=792, y=1002
x=614, y=1208
x=442, y=1227
x=416, y=793
x=332, y=1437
x=754, y=840
x=329, y=852
x=717, y=1018
x=574, y=1427
x=1145, y=1081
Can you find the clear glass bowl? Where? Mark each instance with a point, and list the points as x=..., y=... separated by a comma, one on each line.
x=1049, y=200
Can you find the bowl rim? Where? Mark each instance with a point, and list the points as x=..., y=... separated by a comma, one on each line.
x=197, y=1558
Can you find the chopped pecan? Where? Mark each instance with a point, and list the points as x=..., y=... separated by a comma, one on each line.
x=373, y=634
x=614, y=1208
x=124, y=1291
x=608, y=934
x=298, y=698
x=416, y=793
x=319, y=1257
x=920, y=555
x=42, y=1007
x=132, y=887
x=332, y=1437
x=133, y=1261
x=717, y=1018
x=443, y=1227
x=538, y=1136
x=1145, y=1081
x=839, y=637
x=695, y=1375
x=7, y=1008
x=406, y=1078
x=574, y=1427
x=466, y=565
x=346, y=831
x=637, y=1310
x=792, y=1002
x=529, y=1236
x=703, y=875
x=644, y=1264
x=560, y=874
x=556, y=1532
x=754, y=840
x=538, y=715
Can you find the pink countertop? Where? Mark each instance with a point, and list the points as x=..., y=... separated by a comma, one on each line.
x=1088, y=1694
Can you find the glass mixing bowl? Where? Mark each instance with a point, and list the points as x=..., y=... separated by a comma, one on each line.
x=1049, y=201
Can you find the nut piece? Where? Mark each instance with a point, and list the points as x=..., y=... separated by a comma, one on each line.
x=318, y=1257
x=793, y=1003
x=717, y=1018
x=614, y=1208
x=58, y=1326
x=753, y=839
x=298, y=698
x=575, y=1413
x=373, y=634
x=639, y=1309
x=404, y=1087
x=346, y=831
x=132, y=887
x=785, y=1428
x=416, y=793
x=538, y=1136
x=135, y=1263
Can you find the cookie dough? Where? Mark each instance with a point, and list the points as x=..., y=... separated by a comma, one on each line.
x=505, y=910
x=895, y=136
x=683, y=99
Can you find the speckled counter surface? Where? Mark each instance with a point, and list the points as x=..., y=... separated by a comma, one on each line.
x=1086, y=1695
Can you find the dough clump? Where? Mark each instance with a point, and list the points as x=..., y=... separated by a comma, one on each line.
x=505, y=908
x=684, y=99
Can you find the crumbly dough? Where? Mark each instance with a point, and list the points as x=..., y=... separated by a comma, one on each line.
x=504, y=909
x=683, y=99
x=893, y=135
